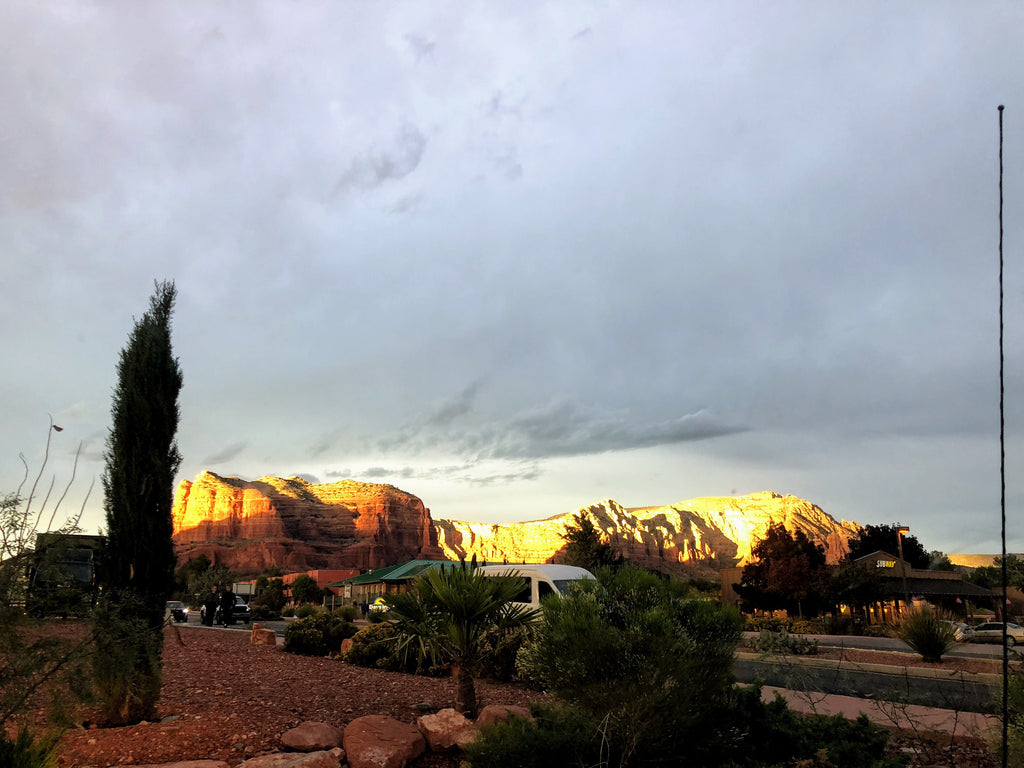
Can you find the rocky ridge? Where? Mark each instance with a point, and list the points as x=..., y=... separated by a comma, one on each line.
x=299, y=526
x=715, y=532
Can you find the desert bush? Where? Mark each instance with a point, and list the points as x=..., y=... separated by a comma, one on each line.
x=640, y=656
x=288, y=611
x=374, y=647
x=317, y=635
x=346, y=612
x=782, y=643
x=27, y=751
x=561, y=736
x=127, y=669
x=499, y=648
x=376, y=617
x=306, y=610
x=807, y=627
x=876, y=630
x=771, y=623
x=1015, y=720
x=773, y=735
x=928, y=632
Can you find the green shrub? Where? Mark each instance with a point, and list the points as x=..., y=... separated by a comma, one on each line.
x=927, y=632
x=376, y=617
x=771, y=623
x=26, y=751
x=1015, y=720
x=639, y=655
x=127, y=668
x=499, y=649
x=876, y=630
x=346, y=612
x=808, y=627
x=782, y=643
x=562, y=736
x=288, y=611
x=773, y=735
x=306, y=610
x=373, y=646
x=317, y=635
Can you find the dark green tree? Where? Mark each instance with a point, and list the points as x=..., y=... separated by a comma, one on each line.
x=584, y=548
x=788, y=572
x=142, y=459
x=305, y=590
x=873, y=538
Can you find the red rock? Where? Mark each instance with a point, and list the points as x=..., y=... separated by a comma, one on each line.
x=312, y=736
x=375, y=741
x=297, y=526
x=444, y=729
x=261, y=636
x=187, y=764
x=294, y=760
x=500, y=713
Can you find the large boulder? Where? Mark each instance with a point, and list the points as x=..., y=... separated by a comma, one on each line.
x=376, y=741
x=446, y=729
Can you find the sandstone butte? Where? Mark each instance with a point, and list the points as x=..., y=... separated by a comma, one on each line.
x=298, y=526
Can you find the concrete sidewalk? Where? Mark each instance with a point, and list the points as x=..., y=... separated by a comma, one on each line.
x=908, y=717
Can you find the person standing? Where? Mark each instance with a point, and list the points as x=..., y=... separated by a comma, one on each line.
x=210, y=604
x=227, y=606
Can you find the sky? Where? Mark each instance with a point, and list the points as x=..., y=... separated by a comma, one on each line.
x=519, y=257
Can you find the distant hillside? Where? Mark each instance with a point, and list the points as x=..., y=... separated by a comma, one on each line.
x=698, y=534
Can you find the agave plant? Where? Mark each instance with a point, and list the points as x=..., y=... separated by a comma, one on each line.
x=928, y=632
x=443, y=618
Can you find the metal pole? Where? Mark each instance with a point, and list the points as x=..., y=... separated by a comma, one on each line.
x=903, y=563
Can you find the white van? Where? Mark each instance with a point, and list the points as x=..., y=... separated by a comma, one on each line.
x=542, y=579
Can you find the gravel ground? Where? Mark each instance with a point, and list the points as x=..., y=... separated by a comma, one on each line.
x=226, y=699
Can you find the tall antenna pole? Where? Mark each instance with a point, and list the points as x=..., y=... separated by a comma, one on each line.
x=1002, y=459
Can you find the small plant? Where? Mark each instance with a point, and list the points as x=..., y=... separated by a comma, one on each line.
x=376, y=617
x=306, y=610
x=928, y=632
x=560, y=736
x=288, y=611
x=317, y=635
x=373, y=647
x=769, y=642
x=26, y=751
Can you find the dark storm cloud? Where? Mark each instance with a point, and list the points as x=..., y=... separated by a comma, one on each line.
x=375, y=167
x=227, y=453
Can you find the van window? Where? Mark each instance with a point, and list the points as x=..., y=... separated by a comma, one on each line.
x=544, y=589
x=525, y=595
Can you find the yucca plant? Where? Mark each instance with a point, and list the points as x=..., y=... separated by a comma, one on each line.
x=443, y=619
x=928, y=632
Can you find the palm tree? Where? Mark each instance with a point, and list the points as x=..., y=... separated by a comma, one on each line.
x=443, y=618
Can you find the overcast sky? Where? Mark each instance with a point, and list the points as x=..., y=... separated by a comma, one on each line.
x=519, y=257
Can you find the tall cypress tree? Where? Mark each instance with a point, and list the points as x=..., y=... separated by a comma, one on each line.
x=142, y=459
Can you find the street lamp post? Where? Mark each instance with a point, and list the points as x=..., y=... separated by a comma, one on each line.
x=900, y=530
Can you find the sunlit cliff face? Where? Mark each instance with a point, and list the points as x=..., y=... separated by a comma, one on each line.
x=290, y=523
x=715, y=531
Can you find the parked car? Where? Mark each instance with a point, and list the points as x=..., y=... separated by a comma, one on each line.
x=962, y=633
x=539, y=579
x=178, y=611
x=242, y=612
x=992, y=632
